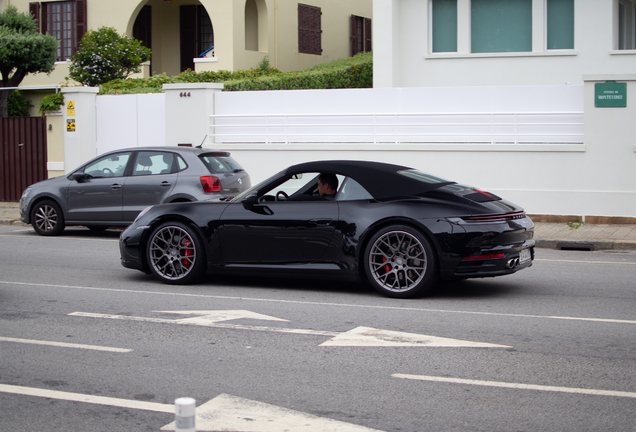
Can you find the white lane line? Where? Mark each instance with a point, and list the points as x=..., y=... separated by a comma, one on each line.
x=584, y=262
x=65, y=345
x=66, y=238
x=573, y=390
x=78, y=397
x=351, y=305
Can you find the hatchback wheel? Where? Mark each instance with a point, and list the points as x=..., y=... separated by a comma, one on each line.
x=400, y=262
x=175, y=253
x=47, y=218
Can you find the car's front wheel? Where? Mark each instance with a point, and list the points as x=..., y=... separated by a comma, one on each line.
x=400, y=262
x=175, y=253
x=47, y=218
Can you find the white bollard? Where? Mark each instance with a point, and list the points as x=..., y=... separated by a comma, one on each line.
x=184, y=414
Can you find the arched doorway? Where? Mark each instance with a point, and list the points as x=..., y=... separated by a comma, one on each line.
x=176, y=31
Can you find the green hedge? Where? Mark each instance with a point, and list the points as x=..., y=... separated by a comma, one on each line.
x=353, y=72
x=354, y=76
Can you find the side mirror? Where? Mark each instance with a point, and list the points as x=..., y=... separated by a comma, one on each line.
x=80, y=176
x=250, y=201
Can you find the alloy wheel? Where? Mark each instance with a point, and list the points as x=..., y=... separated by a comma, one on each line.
x=172, y=253
x=397, y=261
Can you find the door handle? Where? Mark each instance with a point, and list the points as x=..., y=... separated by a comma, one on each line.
x=165, y=183
x=320, y=221
x=116, y=186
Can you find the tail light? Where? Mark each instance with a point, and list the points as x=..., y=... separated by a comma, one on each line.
x=483, y=257
x=210, y=184
x=496, y=218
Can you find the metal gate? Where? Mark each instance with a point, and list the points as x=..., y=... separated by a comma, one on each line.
x=23, y=155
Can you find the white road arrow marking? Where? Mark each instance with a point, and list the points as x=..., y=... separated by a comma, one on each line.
x=360, y=336
x=214, y=316
x=233, y=414
x=223, y=413
x=370, y=337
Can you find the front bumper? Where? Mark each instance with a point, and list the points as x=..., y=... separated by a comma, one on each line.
x=130, y=253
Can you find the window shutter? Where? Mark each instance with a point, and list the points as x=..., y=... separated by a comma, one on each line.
x=367, y=35
x=309, y=33
x=45, y=17
x=353, y=40
x=34, y=8
x=81, y=22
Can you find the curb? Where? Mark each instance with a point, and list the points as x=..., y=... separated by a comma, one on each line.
x=582, y=245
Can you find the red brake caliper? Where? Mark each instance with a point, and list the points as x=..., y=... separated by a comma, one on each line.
x=387, y=267
x=188, y=253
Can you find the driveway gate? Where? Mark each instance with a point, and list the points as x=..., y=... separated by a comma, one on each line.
x=23, y=155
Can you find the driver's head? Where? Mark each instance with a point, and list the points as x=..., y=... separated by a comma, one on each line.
x=327, y=184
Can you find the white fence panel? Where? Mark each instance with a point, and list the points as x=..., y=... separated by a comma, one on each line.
x=528, y=115
x=130, y=121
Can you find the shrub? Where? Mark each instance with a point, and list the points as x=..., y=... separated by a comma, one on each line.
x=104, y=55
x=51, y=102
x=18, y=105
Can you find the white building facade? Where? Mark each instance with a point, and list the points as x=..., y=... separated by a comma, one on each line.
x=431, y=43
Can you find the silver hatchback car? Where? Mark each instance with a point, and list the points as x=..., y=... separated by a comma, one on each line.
x=113, y=188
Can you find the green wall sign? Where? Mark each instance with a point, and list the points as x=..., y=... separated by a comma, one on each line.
x=610, y=94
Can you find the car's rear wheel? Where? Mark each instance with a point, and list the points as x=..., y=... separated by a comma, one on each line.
x=47, y=218
x=400, y=262
x=175, y=253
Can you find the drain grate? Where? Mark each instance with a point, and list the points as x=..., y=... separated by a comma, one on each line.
x=576, y=247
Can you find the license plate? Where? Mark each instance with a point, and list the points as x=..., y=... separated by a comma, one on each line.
x=524, y=256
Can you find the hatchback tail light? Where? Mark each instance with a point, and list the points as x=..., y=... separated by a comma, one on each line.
x=210, y=184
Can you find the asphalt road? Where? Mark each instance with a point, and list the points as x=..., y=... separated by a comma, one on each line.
x=86, y=344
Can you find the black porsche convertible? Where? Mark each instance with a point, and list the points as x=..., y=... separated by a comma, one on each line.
x=396, y=227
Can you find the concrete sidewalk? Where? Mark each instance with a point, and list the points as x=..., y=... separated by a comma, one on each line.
x=554, y=235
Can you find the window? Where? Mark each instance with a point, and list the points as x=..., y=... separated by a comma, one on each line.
x=251, y=26
x=109, y=166
x=501, y=26
x=360, y=35
x=309, y=30
x=444, y=25
x=351, y=190
x=626, y=25
x=560, y=24
x=152, y=163
x=196, y=34
x=65, y=21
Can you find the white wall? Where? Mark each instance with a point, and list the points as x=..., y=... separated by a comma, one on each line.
x=130, y=121
x=596, y=177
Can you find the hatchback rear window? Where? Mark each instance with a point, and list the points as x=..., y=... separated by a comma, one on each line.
x=220, y=163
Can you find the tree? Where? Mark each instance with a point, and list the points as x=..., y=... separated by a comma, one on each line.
x=104, y=55
x=22, y=51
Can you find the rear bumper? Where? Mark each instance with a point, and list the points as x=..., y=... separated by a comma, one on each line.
x=508, y=264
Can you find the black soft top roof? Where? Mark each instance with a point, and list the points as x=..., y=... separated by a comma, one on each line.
x=381, y=180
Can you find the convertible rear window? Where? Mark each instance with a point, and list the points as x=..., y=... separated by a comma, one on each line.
x=423, y=177
x=220, y=162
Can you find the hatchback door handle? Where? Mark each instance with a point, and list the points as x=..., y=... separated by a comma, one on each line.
x=165, y=183
x=116, y=186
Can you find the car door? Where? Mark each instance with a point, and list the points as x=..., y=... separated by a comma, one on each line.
x=98, y=196
x=152, y=179
x=277, y=233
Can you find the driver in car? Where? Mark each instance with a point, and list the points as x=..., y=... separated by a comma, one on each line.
x=327, y=185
